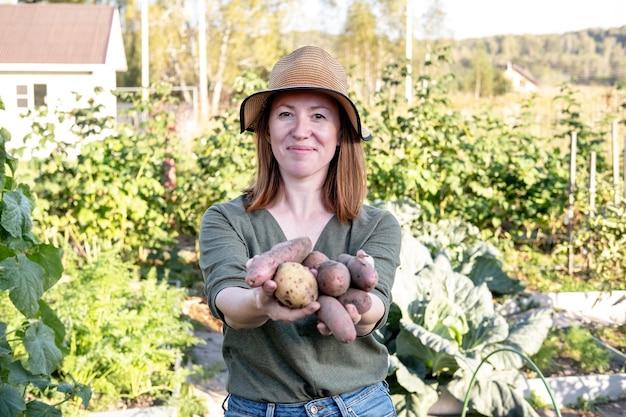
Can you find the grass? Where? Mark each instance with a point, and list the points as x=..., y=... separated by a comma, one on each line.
x=574, y=351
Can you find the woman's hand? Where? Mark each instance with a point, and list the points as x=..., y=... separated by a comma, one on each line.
x=247, y=308
x=266, y=302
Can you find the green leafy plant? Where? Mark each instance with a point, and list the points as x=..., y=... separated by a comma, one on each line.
x=105, y=188
x=32, y=337
x=126, y=334
x=441, y=327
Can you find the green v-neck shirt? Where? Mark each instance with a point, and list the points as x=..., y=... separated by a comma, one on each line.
x=292, y=362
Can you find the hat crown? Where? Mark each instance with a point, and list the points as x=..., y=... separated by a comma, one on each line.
x=309, y=66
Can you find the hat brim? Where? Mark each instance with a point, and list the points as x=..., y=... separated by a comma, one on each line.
x=252, y=107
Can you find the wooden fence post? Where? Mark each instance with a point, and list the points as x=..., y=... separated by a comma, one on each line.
x=570, y=210
x=615, y=146
x=592, y=205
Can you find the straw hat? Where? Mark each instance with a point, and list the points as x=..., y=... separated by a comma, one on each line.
x=306, y=68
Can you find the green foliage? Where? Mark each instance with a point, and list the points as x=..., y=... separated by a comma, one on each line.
x=446, y=162
x=615, y=336
x=111, y=193
x=125, y=334
x=581, y=347
x=537, y=401
x=31, y=335
x=575, y=343
x=224, y=162
x=498, y=175
x=443, y=324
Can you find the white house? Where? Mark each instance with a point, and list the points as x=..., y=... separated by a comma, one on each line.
x=521, y=80
x=48, y=51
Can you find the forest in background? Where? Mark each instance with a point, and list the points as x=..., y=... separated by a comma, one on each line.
x=248, y=36
x=587, y=57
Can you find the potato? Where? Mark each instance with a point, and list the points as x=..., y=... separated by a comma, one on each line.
x=263, y=267
x=296, y=285
x=336, y=318
x=314, y=260
x=363, y=275
x=333, y=278
x=358, y=298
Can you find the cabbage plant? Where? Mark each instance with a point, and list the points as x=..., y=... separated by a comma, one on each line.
x=441, y=327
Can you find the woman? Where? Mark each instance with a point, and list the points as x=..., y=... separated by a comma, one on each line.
x=310, y=181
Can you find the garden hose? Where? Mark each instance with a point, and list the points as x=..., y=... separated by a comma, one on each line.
x=527, y=359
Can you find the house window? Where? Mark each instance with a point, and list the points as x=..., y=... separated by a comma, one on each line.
x=41, y=92
x=38, y=97
x=22, y=96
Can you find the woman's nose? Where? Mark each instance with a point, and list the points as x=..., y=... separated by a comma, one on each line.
x=301, y=128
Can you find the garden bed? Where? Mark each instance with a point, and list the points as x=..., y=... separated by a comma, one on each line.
x=583, y=358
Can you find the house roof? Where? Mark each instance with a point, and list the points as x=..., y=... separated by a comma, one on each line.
x=55, y=33
x=513, y=67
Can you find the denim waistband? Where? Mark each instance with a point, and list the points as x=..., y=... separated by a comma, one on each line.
x=318, y=407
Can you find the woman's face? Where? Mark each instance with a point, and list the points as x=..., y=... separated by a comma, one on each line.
x=304, y=133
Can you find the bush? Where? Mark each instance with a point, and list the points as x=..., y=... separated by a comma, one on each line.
x=125, y=333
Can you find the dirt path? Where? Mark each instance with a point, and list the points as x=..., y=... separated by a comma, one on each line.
x=210, y=357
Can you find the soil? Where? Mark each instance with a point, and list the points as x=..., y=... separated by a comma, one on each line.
x=212, y=388
x=612, y=409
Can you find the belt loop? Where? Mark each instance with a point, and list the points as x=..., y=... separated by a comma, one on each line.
x=269, y=412
x=341, y=405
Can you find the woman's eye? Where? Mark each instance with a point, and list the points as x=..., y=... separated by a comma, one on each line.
x=319, y=116
x=284, y=114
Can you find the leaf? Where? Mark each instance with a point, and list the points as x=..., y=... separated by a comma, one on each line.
x=409, y=405
x=17, y=374
x=410, y=395
x=49, y=257
x=529, y=332
x=84, y=393
x=414, y=343
x=6, y=252
x=40, y=409
x=44, y=356
x=50, y=319
x=414, y=255
x=489, y=270
x=491, y=397
x=407, y=287
x=5, y=348
x=11, y=401
x=491, y=329
x=16, y=215
x=26, y=279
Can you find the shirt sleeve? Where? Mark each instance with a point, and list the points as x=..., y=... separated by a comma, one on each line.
x=223, y=251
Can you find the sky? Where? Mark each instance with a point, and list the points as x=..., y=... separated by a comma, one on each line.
x=482, y=18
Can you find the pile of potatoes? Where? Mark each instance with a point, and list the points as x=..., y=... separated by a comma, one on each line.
x=303, y=276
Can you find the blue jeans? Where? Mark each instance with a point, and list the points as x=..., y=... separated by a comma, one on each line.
x=372, y=401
